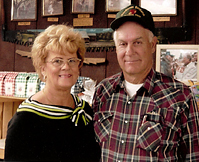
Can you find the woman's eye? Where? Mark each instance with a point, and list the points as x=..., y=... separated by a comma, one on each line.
x=71, y=60
x=58, y=61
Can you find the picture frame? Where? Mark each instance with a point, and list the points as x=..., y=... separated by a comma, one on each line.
x=174, y=61
x=83, y=6
x=160, y=7
x=52, y=7
x=24, y=10
x=116, y=5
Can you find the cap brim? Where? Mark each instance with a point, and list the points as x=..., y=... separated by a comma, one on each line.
x=118, y=22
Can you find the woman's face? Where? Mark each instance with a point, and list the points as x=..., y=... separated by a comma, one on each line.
x=60, y=74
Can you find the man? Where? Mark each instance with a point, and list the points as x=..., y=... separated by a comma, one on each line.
x=195, y=58
x=190, y=70
x=140, y=114
x=166, y=64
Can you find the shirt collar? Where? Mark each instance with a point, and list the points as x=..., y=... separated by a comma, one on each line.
x=150, y=81
x=119, y=82
x=148, y=84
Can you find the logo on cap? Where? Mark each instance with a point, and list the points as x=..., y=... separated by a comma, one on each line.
x=132, y=11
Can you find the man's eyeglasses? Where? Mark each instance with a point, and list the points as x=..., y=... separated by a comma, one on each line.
x=72, y=62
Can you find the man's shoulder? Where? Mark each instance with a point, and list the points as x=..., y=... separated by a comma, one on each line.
x=171, y=82
x=111, y=79
x=109, y=85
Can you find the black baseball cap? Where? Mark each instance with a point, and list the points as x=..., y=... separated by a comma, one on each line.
x=136, y=14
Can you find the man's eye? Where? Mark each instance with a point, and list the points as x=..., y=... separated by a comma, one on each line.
x=137, y=42
x=122, y=44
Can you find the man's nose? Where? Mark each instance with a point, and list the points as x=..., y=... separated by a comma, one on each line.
x=130, y=49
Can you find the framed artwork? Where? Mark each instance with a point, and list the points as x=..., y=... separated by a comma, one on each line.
x=24, y=10
x=83, y=6
x=116, y=5
x=178, y=61
x=160, y=7
x=52, y=7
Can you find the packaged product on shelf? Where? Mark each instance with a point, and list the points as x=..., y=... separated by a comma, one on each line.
x=78, y=87
x=2, y=78
x=33, y=84
x=21, y=84
x=9, y=83
x=89, y=89
x=42, y=85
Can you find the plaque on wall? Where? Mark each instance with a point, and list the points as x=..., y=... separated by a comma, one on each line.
x=83, y=22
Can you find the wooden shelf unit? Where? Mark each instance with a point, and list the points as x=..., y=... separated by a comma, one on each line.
x=8, y=107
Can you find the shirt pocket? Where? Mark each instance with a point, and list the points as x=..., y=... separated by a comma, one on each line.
x=102, y=125
x=150, y=133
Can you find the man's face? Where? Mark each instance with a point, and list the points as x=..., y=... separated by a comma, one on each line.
x=196, y=57
x=186, y=61
x=169, y=57
x=134, y=50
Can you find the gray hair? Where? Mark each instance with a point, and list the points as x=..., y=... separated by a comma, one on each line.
x=188, y=56
x=150, y=34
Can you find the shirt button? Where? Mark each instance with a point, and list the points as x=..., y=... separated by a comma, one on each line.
x=129, y=102
x=126, y=121
x=149, y=128
x=122, y=141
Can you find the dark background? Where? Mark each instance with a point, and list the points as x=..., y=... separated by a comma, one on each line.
x=11, y=61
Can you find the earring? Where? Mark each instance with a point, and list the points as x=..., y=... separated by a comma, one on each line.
x=44, y=78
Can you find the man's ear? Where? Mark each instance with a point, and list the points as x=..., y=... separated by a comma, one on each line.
x=153, y=44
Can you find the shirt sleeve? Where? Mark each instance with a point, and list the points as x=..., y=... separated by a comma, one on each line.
x=190, y=131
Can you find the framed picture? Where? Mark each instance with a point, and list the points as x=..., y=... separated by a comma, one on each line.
x=83, y=6
x=178, y=61
x=116, y=5
x=24, y=10
x=52, y=7
x=160, y=7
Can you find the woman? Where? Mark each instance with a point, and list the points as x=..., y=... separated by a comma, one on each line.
x=54, y=125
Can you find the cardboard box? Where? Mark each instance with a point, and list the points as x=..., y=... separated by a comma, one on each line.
x=2, y=78
x=33, y=84
x=21, y=84
x=9, y=83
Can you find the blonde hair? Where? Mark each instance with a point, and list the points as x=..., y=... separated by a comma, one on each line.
x=57, y=38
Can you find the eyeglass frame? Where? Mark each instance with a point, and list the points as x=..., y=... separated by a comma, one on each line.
x=64, y=62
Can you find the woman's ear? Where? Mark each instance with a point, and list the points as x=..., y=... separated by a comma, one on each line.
x=43, y=71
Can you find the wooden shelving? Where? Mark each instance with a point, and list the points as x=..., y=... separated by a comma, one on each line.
x=8, y=107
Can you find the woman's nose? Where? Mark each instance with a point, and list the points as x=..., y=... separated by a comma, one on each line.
x=65, y=65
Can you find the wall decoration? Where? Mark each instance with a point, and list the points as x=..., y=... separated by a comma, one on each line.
x=83, y=6
x=23, y=10
x=116, y=5
x=160, y=7
x=52, y=7
x=178, y=61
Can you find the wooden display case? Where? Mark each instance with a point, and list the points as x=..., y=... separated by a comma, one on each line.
x=8, y=106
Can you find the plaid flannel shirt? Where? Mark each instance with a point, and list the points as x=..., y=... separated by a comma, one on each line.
x=159, y=123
